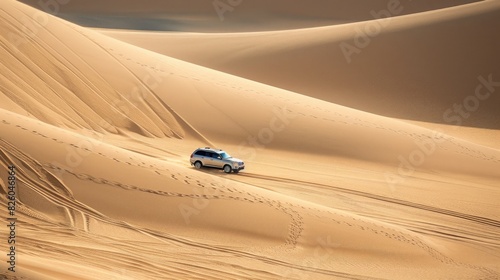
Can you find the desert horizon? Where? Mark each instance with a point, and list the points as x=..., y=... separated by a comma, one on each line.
x=368, y=133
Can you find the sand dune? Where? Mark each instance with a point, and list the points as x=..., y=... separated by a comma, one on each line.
x=100, y=132
x=437, y=58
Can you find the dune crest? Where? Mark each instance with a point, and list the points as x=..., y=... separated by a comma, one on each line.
x=438, y=57
x=224, y=16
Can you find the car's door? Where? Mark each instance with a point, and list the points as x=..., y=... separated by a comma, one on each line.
x=217, y=160
x=210, y=159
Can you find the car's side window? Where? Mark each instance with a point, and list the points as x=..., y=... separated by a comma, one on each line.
x=200, y=153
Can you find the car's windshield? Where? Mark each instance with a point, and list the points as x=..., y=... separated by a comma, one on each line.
x=225, y=155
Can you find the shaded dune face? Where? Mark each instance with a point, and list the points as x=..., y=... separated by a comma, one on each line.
x=99, y=133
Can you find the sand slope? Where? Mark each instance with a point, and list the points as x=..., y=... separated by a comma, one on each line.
x=107, y=192
x=74, y=204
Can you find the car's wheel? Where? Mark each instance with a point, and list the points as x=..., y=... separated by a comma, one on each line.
x=227, y=168
x=198, y=165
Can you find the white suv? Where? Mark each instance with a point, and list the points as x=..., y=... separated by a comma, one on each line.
x=216, y=158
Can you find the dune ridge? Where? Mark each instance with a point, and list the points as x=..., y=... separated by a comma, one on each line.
x=213, y=16
x=330, y=62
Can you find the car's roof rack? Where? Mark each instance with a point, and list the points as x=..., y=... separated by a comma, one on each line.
x=213, y=149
